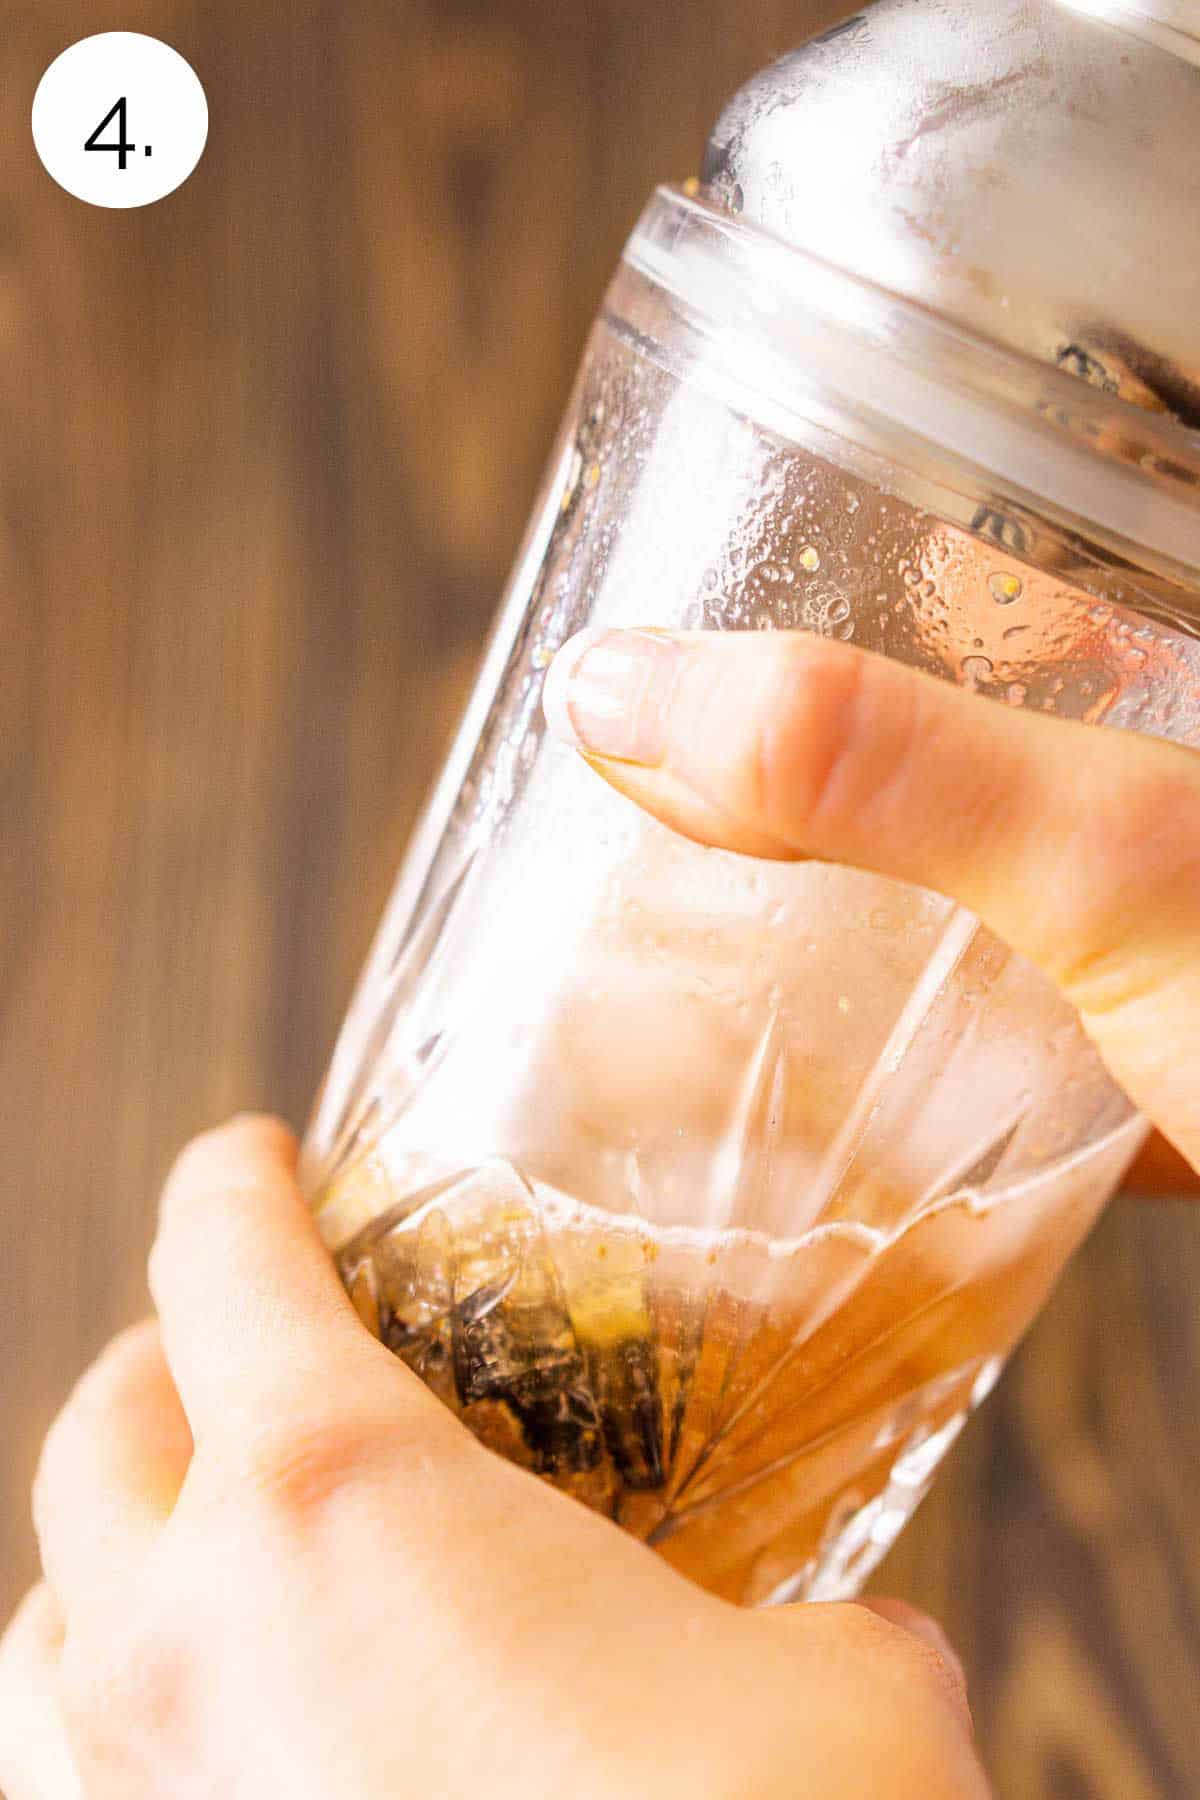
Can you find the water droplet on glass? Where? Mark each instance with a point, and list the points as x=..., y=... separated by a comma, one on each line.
x=1015, y=693
x=810, y=559
x=737, y=199
x=1004, y=588
x=709, y=579
x=976, y=668
x=542, y=656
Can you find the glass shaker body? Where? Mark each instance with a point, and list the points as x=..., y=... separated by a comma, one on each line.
x=717, y=1191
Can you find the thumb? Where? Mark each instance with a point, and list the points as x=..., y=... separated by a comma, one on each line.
x=1081, y=851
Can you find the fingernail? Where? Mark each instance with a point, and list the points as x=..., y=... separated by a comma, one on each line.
x=608, y=692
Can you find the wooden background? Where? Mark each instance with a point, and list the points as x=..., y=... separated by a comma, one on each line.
x=265, y=452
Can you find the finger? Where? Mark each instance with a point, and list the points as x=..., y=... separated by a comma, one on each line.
x=891, y=1670
x=110, y=1471
x=1082, y=852
x=256, y=1325
x=35, y=1759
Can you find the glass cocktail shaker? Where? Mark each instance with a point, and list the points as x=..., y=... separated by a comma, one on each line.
x=715, y=1191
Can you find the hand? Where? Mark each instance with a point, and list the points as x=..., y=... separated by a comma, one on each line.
x=275, y=1564
x=1081, y=852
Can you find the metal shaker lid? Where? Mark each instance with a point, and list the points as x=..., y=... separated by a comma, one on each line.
x=1027, y=168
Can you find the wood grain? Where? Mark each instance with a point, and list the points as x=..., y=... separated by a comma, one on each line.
x=265, y=452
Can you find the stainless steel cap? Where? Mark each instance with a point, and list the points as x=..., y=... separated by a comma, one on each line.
x=1028, y=168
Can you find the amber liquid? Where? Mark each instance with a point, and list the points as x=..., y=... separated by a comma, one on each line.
x=765, y=1415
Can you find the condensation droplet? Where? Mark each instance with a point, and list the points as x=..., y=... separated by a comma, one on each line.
x=709, y=579
x=542, y=656
x=976, y=668
x=1004, y=588
x=1015, y=693
x=810, y=559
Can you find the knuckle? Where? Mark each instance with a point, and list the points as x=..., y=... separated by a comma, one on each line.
x=123, y=1357
x=298, y=1472
x=920, y=1670
x=1131, y=878
x=812, y=740
x=235, y=1158
x=96, y=1391
x=55, y=1461
x=129, y=1688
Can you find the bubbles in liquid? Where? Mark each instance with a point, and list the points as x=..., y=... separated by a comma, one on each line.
x=810, y=559
x=976, y=668
x=1004, y=589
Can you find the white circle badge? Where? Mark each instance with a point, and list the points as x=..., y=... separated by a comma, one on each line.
x=120, y=119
